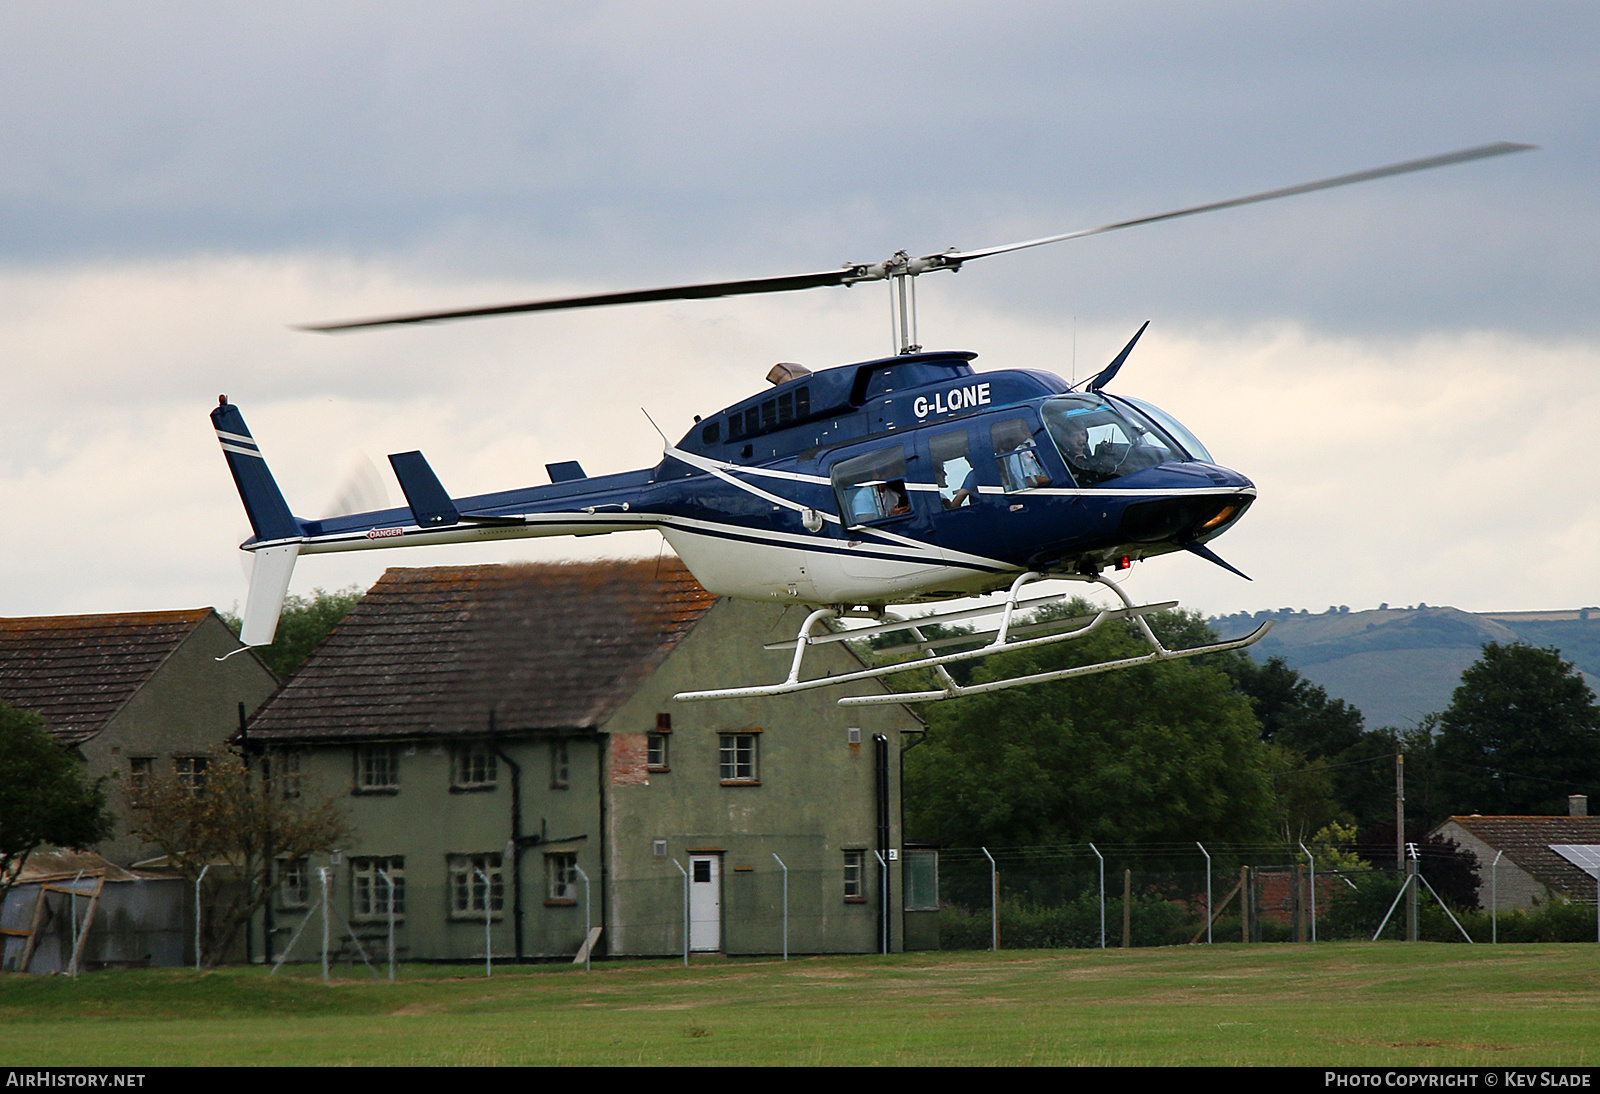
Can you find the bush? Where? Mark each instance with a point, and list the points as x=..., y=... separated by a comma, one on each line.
x=1073, y=925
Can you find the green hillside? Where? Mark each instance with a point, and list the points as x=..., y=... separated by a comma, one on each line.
x=1398, y=664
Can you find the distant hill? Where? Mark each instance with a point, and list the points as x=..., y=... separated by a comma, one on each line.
x=1398, y=664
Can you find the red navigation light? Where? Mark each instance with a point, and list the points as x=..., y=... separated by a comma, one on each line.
x=1124, y=563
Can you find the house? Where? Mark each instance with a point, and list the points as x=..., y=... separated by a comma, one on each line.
x=516, y=770
x=135, y=695
x=1529, y=871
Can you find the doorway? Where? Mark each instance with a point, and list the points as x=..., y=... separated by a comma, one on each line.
x=705, y=903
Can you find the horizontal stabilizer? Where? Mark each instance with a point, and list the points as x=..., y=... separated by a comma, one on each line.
x=567, y=471
x=269, y=583
x=430, y=505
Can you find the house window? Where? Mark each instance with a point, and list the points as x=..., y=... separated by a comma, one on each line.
x=656, y=750
x=377, y=769
x=473, y=767
x=283, y=769
x=294, y=883
x=855, y=868
x=191, y=772
x=562, y=871
x=369, y=892
x=467, y=889
x=140, y=771
x=738, y=758
x=558, y=765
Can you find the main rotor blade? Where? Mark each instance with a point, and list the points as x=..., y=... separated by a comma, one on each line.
x=1500, y=148
x=638, y=296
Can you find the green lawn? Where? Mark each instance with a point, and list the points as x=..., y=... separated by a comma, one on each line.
x=1338, y=1003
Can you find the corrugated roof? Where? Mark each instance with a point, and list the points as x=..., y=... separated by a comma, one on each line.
x=429, y=652
x=1526, y=842
x=78, y=670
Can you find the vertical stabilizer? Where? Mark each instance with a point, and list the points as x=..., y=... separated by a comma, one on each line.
x=263, y=501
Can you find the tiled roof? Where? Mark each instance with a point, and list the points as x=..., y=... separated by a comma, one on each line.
x=429, y=652
x=1526, y=842
x=78, y=670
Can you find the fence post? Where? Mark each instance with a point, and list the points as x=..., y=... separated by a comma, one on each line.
x=685, y=874
x=1127, y=907
x=389, y=881
x=785, y=906
x=994, y=900
x=322, y=873
x=488, y=923
x=1244, y=904
x=587, y=948
x=197, y=883
x=1312, y=859
x=1411, y=901
x=1494, y=897
x=1210, y=912
x=1102, y=859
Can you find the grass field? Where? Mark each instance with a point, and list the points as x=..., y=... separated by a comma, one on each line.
x=1331, y=1004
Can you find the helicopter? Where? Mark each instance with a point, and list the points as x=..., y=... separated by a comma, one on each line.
x=901, y=480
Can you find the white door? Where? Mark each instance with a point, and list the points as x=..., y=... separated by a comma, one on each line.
x=705, y=902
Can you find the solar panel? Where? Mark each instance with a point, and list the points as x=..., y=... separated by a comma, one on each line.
x=1585, y=856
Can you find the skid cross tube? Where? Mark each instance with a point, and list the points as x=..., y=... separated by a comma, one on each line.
x=1002, y=642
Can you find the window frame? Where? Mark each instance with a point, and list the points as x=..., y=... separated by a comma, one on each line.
x=855, y=876
x=474, y=767
x=141, y=769
x=293, y=888
x=466, y=889
x=369, y=769
x=369, y=896
x=729, y=763
x=190, y=772
x=286, y=771
x=560, y=764
x=561, y=878
x=874, y=480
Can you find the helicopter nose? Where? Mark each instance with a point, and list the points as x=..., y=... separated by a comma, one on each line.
x=1191, y=513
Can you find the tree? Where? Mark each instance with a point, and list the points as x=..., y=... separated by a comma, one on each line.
x=45, y=799
x=1161, y=752
x=1522, y=732
x=303, y=624
x=238, y=823
x=1294, y=712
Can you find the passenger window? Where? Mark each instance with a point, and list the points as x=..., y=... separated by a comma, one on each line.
x=1017, y=456
x=872, y=488
x=953, y=470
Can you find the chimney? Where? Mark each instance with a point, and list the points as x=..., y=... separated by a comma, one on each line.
x=1577, y=805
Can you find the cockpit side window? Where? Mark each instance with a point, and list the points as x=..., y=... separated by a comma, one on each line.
x=872, y=488
x=1018, y=456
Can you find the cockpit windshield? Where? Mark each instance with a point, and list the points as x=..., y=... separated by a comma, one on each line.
x=1101, y=441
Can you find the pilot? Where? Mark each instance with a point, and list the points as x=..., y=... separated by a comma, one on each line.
x=1075, y=444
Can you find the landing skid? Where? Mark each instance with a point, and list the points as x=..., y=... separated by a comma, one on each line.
x=1005, y=639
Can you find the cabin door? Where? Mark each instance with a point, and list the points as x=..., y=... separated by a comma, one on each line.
x=705, y=903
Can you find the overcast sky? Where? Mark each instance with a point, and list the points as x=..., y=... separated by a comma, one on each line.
x=1409, y=370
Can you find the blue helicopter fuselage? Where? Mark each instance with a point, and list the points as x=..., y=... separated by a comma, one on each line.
x=901, y=479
